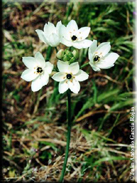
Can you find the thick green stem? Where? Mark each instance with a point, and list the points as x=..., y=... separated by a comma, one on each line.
x=49, y=52
x=68, y=137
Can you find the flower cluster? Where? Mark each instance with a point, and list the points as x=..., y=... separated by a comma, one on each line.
x=38, y=70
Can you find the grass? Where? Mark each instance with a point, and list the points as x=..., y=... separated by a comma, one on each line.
x=34, y=124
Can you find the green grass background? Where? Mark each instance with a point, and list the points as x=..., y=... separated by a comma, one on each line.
x=34, y=124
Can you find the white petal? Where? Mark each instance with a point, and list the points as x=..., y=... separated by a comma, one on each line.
x=60, y=76
x=92, y=49
x=65, y=37
x=49, y=29
x=103, y=48
x=66, y=42
x=83, y=32
x=36, y=84
x=82, y=44
x=81, y=76
x=30, y=62
x=41, y=36
x=72, y=25
x=58, y=26
x=63, y=66
x=28, y=75
x=53, y=40
x=74, y=68
x=108, y=61
x=90, y=56
x=94, y=67
x=40, y=59
x=64, y=33
x=63, y=86
x=38, y=55
x=74, y=86
x=44, y=78
x=48, y=67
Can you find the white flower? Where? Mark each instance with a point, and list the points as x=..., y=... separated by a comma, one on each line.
x=69, y=76
x=38, y=71
x=100, y=58
x=50, y=35
x=72, y=36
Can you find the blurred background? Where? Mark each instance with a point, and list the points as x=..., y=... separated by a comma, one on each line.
x=35, y=124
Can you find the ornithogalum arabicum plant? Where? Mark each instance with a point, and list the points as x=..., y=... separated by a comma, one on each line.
x=69, y=73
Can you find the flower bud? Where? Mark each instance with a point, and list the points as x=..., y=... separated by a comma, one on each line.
x=65, y=58
x=60, y=54
x=75, y=53
x=69, y=55
x=72, y=60
x=66, y=52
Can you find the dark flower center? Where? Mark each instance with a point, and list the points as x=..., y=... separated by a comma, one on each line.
x=69, y=76
x=74, y=37
x=39, y=70
x=96, y=58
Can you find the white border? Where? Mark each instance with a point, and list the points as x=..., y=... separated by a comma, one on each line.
x=135, y=52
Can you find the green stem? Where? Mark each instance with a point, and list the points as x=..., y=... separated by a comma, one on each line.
x=84, y=65
x=56, y=49
x=49, y=52
x=68, y=137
